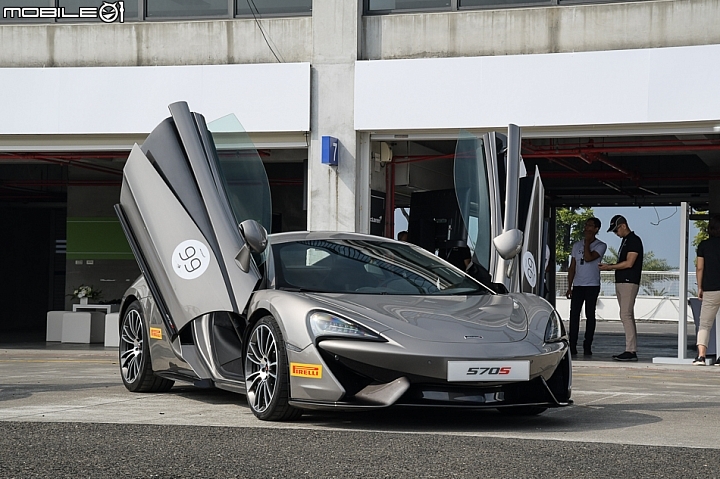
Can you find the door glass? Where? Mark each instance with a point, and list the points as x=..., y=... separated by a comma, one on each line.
x=242, y=172
x=389, y=5
x=473, y=194
x=176, y=9
x=273, y=7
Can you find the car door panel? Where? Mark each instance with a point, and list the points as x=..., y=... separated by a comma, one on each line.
x=531, y=261
x=189, y=288
x=176, y=211
x=478, y=193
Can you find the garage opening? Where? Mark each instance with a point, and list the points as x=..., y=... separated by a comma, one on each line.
x=644, y=177
x=61, y=231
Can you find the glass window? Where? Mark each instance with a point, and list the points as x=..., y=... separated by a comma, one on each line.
x=11, y=13
x=366, y=267
x=385, y=5
x=130, y=8
x=272, y=7
x=42, y=11
x=472, y=187
x=185, y=8
x=500, y=3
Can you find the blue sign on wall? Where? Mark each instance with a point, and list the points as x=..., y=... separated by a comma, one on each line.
x=330, y=150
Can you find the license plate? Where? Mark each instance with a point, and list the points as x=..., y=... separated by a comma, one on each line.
x=488, y=370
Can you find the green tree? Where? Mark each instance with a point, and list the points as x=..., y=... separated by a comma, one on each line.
x=569, y=228
x=702, y=234
x=650, y=261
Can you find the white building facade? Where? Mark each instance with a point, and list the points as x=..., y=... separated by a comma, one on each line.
x=363, y=72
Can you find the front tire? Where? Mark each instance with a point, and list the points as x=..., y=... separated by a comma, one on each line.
x=267, y=380
x=135, y=365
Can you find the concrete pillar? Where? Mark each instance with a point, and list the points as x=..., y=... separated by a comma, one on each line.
x=332, y=190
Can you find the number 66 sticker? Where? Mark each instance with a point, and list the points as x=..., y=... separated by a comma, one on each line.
x=190, y=259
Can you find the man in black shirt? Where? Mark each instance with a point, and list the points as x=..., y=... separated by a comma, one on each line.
x=459, y=256
x=708, y=280
x=628, y=271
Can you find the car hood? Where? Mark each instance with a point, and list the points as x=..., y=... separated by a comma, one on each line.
x=461, y=319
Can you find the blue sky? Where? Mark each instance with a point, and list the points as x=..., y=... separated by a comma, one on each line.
x=658, y=227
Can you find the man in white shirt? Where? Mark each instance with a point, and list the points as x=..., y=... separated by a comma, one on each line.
x=584, y=284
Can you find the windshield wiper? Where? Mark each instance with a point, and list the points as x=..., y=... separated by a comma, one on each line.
x=450, y=292
x=299, y=290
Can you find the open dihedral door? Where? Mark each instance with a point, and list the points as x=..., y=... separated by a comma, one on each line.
x=177, y=212
x=532, y=261
x=479, y=194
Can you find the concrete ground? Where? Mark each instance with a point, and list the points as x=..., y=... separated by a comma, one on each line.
x=655, y=339
x=665, y=414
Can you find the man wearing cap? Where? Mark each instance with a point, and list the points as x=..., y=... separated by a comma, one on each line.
x=584, y=284
x=628, y=271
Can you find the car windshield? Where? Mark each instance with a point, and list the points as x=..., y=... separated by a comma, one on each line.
x=366, y=267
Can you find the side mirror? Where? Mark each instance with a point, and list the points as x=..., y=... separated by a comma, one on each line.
x=255, y=237
x=499, y=288
x=509, y=244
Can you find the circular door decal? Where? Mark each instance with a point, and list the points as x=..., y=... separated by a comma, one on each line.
x=529, y=268
x=190, y=259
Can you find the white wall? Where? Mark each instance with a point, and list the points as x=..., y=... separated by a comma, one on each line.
x=546, y=29
x=647, y=308
x=661, y=85
x=97, y=100
x=189, y=42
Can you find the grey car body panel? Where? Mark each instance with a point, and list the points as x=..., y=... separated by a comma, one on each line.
x=413, y=359
x=401, y=353
x=170, y=195
x=160, y=224
x=531, y=265
x=409, y=350
x=163, y=355
x=447, y=319
x=173, y=192
x=204, y=359
x=326, y=388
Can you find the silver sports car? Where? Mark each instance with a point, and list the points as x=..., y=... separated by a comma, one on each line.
x=308, y=320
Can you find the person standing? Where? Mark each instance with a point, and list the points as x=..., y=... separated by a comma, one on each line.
x=459, y=256
x=628, y=271
x=708, y=280
x=584, y=284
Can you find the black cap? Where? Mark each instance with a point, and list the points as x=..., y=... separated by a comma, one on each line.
x=616, y=221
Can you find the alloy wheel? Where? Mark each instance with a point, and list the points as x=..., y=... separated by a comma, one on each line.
x=131, y=346
x=261, y=368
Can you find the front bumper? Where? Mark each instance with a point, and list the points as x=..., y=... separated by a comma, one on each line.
x=375, y=375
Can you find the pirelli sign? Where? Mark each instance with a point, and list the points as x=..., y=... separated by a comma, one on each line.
x=313, y=371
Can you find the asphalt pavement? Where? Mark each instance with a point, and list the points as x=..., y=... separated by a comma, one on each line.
x=65, y=413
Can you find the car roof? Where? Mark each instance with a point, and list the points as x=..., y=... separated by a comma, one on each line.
x=278, y=238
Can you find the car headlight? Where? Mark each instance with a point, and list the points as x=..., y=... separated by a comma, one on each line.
x=325, y=324
x=554, y=331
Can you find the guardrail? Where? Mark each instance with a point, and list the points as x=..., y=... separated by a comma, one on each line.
x=653, y=283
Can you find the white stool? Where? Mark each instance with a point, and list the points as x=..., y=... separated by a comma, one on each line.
x=53, y=331
x=83, y=327
x=112, y=330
